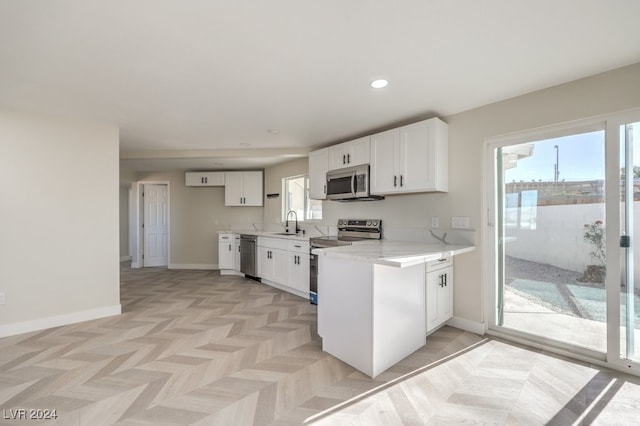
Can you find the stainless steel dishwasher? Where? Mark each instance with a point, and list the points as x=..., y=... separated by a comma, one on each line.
x=248, y=255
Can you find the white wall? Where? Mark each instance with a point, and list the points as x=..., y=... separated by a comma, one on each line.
x=59, y=250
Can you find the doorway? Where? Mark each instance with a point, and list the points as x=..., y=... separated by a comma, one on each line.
x=151, y=245
x=559, y=251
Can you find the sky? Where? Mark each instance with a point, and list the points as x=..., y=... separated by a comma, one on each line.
x=581, y=157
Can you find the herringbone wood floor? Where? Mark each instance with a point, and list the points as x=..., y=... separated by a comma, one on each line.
x=194, y=347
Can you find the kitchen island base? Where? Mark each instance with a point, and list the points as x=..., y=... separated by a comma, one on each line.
x=370, y=316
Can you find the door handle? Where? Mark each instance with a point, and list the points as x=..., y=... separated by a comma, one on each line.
x=353, y=184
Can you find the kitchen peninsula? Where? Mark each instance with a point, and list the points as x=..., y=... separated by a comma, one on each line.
x=374, y=300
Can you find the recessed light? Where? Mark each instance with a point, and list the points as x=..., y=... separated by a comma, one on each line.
x=273, y=131
x=379, y=84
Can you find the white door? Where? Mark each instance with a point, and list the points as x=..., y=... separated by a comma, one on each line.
x=156, y=227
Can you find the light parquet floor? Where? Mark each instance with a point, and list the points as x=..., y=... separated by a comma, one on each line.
x=194, y=347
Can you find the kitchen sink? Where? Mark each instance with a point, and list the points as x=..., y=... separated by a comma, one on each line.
x=287, y=233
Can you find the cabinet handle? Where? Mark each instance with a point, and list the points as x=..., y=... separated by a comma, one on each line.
x=201, y=180
x=298, y=246
x=229, y=247
x=401, y=184
x=344, y=159
x=206, y=180
x=445, y=280
x=325, y=189
x=395, y=181
x=348, y=158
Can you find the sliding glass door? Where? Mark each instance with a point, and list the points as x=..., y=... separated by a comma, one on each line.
x=630, y=195
x=564, y=206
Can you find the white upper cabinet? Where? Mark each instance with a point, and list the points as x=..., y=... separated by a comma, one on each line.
x=352, y=153
x=204, y=179
x=243, y=189
x=318, y=167
x=412, y=158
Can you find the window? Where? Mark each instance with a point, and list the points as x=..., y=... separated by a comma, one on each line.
x=296, y=198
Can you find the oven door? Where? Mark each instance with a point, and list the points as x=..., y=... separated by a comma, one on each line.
x=348, y=183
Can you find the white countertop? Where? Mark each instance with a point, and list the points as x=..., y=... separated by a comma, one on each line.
x=395, y=253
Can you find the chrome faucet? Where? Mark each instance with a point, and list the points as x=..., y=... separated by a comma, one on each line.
x=286, y=226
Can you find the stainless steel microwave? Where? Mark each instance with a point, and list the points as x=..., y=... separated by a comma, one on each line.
x=350, y=184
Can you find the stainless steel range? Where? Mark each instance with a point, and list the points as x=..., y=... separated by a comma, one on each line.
x=350, y=231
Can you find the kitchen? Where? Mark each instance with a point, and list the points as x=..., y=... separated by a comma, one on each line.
x=96, y=86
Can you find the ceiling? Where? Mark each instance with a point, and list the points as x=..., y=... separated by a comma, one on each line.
x=197, y=84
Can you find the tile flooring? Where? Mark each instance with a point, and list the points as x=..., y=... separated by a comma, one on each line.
x=194, y=347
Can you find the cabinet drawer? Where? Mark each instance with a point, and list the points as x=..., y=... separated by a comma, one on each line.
x=434, y=265
x=225, y=238
x=298, y=246
x=275, y=243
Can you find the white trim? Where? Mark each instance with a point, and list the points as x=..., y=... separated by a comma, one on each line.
x=468, y=325
x=194, y=266
x=134, y=265
x=231, y=272
x=59, y=320
x=125, y=258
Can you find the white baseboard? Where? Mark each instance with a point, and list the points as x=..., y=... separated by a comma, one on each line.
x=125, y=258
x=231, y=272
x=468, y=325
x=200, y=266
x=58, y=320
x=134, y=265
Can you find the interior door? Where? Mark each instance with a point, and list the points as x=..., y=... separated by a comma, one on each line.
x=156, y=209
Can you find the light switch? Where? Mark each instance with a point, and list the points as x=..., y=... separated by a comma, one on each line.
x=435, y=222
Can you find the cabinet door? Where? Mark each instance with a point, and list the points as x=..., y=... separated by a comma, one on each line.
x=338, y=156
x=445, y=296
x=265, y=263
x=252, y=188
x=439, y=294
x=204, y=179
x=280, y=270
x=318, y=167
x=233, y=188
x=359, y=151
x=416, y=157
x=299, y=271
x=424, y=160
x=384, y=153
x=226, y=255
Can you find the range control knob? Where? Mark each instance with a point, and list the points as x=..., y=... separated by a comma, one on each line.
x=374, y=223
x=368, y=223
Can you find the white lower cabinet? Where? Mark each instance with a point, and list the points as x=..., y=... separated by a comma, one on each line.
x=439, y=293
x=226, y=256
x=284, y=264
x=298, y=269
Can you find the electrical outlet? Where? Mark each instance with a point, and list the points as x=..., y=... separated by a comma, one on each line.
x=459, y=222
x=1, y=298
x=435, y=222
